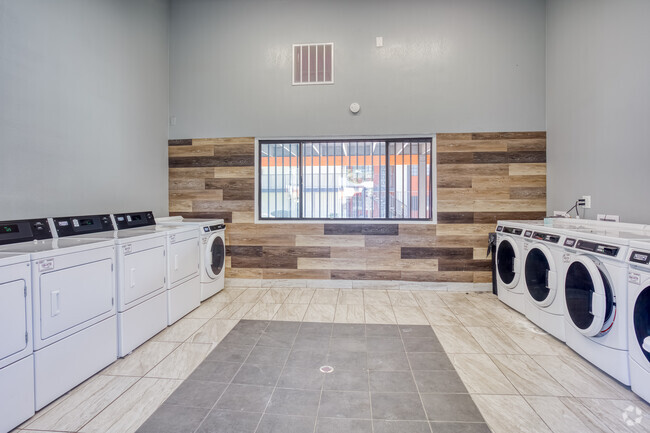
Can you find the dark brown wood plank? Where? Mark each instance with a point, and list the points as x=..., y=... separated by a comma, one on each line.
x=493, y=217
x=225, y=216
x=245, y=251
x=380, y=229
x=364, y=275
x=507, y=135
x=448, y=264
x=279, y=262
x=212, y=161
x=454, y=157
x=490, y=157
x=180, y=142
x=436, y=253
x=305, y=252
x=527, y=193
x=233, y=189
x=436, y=277
x=342, y=229
x=526, y=157
x=454, y=181
x=455, y=217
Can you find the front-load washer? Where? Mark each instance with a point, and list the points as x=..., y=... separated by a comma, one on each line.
x=509, y=259
x=212, y=255
x=183, y=268
x=639, y=317
x=141, y=260
x=16, y=346
x=595, y=294
x=544, y=292
x=73, y=308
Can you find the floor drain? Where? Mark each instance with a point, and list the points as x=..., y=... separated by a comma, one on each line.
x=326, y=369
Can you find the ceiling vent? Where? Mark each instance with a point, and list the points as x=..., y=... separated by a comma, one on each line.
x=313, y=64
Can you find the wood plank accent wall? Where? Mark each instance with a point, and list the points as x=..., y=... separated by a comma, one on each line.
x=481, y=177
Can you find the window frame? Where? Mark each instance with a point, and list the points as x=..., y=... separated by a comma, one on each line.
x=384, y=138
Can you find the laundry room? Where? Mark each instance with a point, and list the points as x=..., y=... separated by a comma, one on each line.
x=299, y=216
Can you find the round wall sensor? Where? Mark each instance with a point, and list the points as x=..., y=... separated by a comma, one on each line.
x=355, y=107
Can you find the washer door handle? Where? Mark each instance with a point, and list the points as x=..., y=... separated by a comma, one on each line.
x=515, y=265
x=646, y=344
x=597, y=305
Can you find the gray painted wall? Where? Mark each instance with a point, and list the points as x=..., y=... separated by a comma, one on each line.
x=83, y=106
x=598, y=106
x=446, y=66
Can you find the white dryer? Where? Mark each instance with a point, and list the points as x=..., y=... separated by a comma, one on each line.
x=16, y=346
x=639, y=317
x=509, y=259
x=212, y=257
x=73, y=297
x=141, y=260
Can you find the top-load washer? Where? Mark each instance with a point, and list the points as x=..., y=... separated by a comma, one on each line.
x=141, y=260
x=73, y=306
x=639, y=317
x=212, y=255
x=509, y=259
x=16, y=346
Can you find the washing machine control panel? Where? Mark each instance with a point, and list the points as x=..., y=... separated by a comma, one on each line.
x=512, y=230
x=213, y=228
x=134, y=219
x=607, y=250
x=12, y=232
x=546, y=237
x=569, y=242
x=528, y=233
x=641, y=257
x=79, y=225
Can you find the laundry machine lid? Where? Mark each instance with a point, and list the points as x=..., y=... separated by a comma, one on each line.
x=215, y=255
x=508, y=262
x=641, y=321
x=590, y=300
x=540, y=274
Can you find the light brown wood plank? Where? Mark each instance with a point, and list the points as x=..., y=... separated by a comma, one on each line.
x=535, y=169
x=528, y=181
x=464, y=229
x=531, y=205
x=194, y=173
x=180, y=205
x=232, y=172
x=223, y=141
x=244, y=273
x=191, y=151
x=213, y=194
x=176, y=184
x=310, y=274
x=243, y=217
x=533, y=144
x=472, y=146
x=347, y=263
x=225, y=205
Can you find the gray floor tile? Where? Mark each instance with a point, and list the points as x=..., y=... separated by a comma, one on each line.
x=430, y=361
x=344, y=404
x=342, y=360
x=459, y=427
x=392, y=381
x=245, y=398
x=391, y=331
x=276, y=339
x=173, y=419
x=251, y=326
x=222, y=421
x=197, y=394
x=422, y=345
x=384, y=426
x=385, y=344
x=301, y=378
x=309, y=358
x=417, y=331
x=439, y=381
x=348, y=344
x=347, y=380
x=215, y=371
x=262, y=375
x=282, y=327
x=241, y=338
x=397, y=406
x=268, y=355
x=348, y=330
x=298, y=402
x=229, y=353
x=387, y=361
x=286, y=424
x=343, y=425
x=451, y=408
x=306, y=342
x=313, y=329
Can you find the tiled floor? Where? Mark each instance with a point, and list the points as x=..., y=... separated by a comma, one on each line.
x=520, y=378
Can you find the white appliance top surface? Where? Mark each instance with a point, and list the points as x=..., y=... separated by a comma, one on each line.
x=167, y=229
x=56, y=246
x=591, y=230
x=10, y=258
x=122, y=236
x=200, y=221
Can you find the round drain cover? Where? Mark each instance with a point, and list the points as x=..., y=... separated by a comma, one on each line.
x=326, y=369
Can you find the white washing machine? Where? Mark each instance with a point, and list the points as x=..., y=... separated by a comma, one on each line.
x=141, y=260
x=639, y=317
x=16, y=346
x=183, y=268
x=74, y=315
x=212, y=255
x=509, y=260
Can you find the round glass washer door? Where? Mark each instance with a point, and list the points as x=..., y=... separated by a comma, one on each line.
x=590, y=300
x=540, y=274
x=215, y=255
x=508, y=262
x=641, y=320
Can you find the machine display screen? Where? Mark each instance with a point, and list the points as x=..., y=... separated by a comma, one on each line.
x=12, y=228
x=136, y=217
x=86, y=222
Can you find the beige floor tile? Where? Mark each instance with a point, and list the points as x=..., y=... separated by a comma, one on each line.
x=457, y=340
x=325, y=296
x=381, y=313
x=428, y=299
x=234, y=311
x=349, y=314
x=142, y=359
x=410, y=316
x=213, y=331
x=493, y=340
x=300, y=296
x=402, y=298
x=472, y=316
x=350, y=297
x=534, y=341
x=480, y=375
x=620, y=415
x=376, y=297
x=82, y=404
x=261, y=311
x=132, y=408
x=180, y=331
x=556, y=415
x=455, y=300
x=227, y=295
x=275, y=296
x=509, y=414
x=291, y=312
x=527, y=376
x=587, y=417
x=251, y=295
x=207, y=311
x=320, y=313
x=441, y=316
x=181, y=362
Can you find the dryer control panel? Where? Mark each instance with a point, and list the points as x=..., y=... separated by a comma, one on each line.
x=13, y=232
x=641, y=257
x=134, y=219
x=80, y=225
x=546, y=237
x=212, y=228
x=607, y=250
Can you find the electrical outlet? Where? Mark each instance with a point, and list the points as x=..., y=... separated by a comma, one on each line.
x=587, y=199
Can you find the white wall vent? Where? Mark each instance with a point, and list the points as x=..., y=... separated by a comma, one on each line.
x=313, y=64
